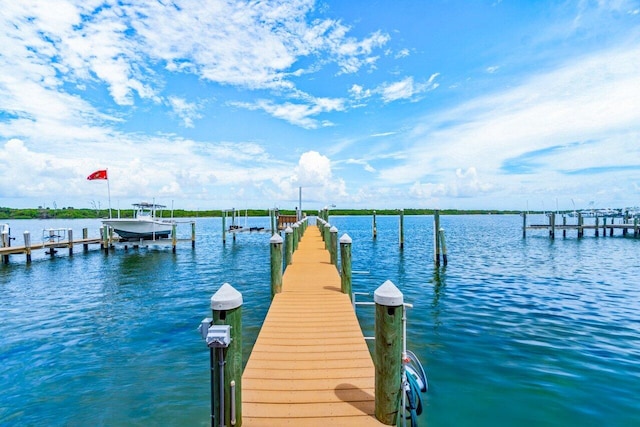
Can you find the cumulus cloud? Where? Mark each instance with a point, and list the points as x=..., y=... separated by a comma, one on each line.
x=187, y=111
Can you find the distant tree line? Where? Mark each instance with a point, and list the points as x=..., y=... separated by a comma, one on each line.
x=73, y=213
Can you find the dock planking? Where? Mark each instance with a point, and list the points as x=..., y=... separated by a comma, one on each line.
x=310, y=365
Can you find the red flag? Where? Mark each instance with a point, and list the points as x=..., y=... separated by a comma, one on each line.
x=101, y=174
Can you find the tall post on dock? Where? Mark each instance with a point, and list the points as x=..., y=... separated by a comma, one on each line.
x=288, y=243
x=333, y=242
x=626, y=221
x=401, y=229
x=564, y=226
x=345, y=264
x=226, y=306
x=597, y=226
x=604, y=226
x=193, y=234
x=272, y=217
x=552, y=225
x=276, y=264
x=436, y=237
x=375, y=226
x=70, y=241
x=27, y=246
x=443, y=245
x=85, y=236
x=224, y=227
x=524, y=225
x=388, y=351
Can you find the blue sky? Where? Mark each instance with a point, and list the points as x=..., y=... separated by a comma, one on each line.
x=364, y=104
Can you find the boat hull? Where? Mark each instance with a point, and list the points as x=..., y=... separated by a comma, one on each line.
x=135, y=229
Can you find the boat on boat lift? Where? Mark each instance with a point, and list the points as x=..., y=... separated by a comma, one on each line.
x=147, y=223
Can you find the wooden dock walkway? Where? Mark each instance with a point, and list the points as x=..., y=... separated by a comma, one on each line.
x=310, y=365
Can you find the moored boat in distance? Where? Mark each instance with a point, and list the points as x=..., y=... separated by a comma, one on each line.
x=147, y=223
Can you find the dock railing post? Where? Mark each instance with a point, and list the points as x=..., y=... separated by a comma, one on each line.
x=226, y=306
x=345, y=264
x=276, y=264
x=288, y=237
x=388, y=351
x=27, y=246
x=70, y=241
x=333, y=242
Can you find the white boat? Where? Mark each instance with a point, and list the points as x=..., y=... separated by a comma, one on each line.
x=147, y=223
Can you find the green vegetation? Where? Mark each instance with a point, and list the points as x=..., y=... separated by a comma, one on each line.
x=73, y=213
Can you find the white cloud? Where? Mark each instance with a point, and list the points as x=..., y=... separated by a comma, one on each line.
x=187, y=111
x=298, y=114
x=406, y=88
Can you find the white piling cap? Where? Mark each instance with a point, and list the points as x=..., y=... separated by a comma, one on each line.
x=288, y=230
x=333, y=229
x=346, y=239
x=388, y=295
x=327, y=225
x=276, y=238
x=226, y=298
x=296, y=225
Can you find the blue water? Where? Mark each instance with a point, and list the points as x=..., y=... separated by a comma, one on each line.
x=526, y=332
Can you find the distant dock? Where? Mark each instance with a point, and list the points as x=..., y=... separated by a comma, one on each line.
x=62, y=238
x=602, y=224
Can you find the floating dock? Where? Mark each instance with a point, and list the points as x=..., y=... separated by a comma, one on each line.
x=310, y=365
x=602, y=225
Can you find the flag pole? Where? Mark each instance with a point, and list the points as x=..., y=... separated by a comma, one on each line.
x=109, y=192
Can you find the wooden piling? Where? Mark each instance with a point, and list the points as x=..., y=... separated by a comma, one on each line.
x=85, y=236
x=436, y=237
x=70, y=241
x=552, y=225
x=333, y=251
x=174, y=237
x=288, y=243
x=224, y=228
x=401, y=228
x=580, y=225
x=27, y=246
x=597, y=226
x=443, y=245
x=296, y=235
x=226, y=306
x=635, y=227
x=524, y=225
x=345, y=264
x=564, y=223
x=327, y=236
x=6, y=242
x=276, y=264
x=388, y=351
x=375, y=227
x=105, y=238
x=193, y=235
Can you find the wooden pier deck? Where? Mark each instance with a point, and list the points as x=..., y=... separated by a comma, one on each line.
x=310, y=365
